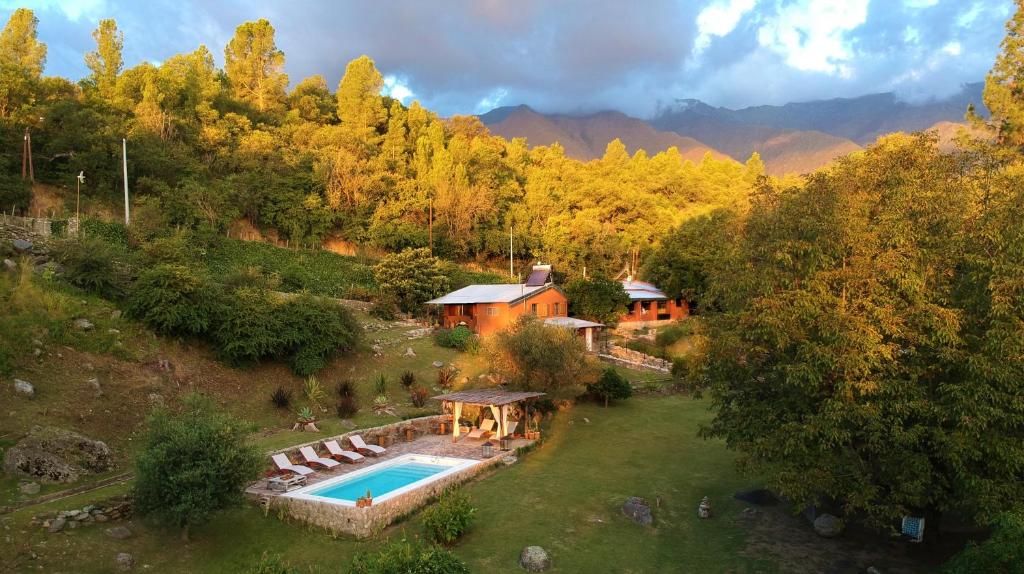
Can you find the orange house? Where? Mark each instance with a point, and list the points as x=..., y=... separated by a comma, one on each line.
x=649, y=306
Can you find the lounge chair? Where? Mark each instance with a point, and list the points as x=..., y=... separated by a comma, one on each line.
x=363, y=448
x=338, y=453
x=484, y=431
x=313, y=458
x=511, y=428
x=282, y=462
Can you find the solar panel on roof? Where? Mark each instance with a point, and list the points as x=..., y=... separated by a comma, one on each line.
x=538, y=277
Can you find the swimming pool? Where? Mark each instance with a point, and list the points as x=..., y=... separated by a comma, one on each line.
x=384, y=480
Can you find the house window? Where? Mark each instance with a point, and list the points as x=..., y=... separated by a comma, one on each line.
x=492, y=311
x=645, y=307
x=533, y=309
x=558, y=309
x=662, y=305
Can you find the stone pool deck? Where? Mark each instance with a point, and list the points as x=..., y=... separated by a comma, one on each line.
x=368, y=521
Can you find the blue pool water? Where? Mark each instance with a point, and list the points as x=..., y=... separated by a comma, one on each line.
x=380, y=482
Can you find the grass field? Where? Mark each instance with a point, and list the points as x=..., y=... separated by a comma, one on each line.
x=564, y=496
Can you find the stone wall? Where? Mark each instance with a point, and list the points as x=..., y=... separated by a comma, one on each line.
x=371, y=520
x=636, y=359
x=111, y=509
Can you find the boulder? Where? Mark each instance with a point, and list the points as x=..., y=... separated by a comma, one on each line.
x=24, y=388
x=534, y=559
x=83, y=324
x=757, y=496
x=22, y=245
x=29, y=488
x=409, y=352
x=828, y=526
x=115, y=314
x=438, y=364
x=53, y=455
x=95, y=384
x=638, y=510
x=119, y=532
x=125, y=561
x=56, y=525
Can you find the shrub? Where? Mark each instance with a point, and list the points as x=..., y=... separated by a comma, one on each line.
x=380, y=385
x=407, y=380
x=170, y=299
x=281, y=398
x=273, y=565
x=175, y=250
x=246, y=326
x=313, y=390
x=404, y=557
x=531, y=355
x=449, y=518
x=14, y=193
x=314, y=330
x=610, y=386
x=92, y=265
x=419, y=395
x=345, y=388
x=347, y=407
x=446, y=376
x=193, y=464
x=458, y=338
x=1002, y=552
x=412, y=277
x=385, y=307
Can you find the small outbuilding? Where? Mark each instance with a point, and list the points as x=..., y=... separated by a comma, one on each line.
x=497, y=400
x=587, y=330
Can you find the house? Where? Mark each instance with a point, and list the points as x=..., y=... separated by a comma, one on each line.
x=650, y=306
x=487, y=309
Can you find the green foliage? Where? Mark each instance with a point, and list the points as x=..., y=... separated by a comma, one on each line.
x=1002, y=552
x=385, y=307
x=407, y=379
x=281, y=398
x=449, y=518
x=461, y=338
x=671, y=334
x=1002, y=92
x=94, y=266
x=111, y=233
x=170, y=299
x=446, y=376
x=347, y=407
x=193, y=464
x=418, y=395
x=531, y=355
x=15, y=193
x=597, y=299
x=679, y=266
x=380, y=384
x=404, y=557
x=313, y=390
x=274, y=564
x=413, y=277
x=611, y=386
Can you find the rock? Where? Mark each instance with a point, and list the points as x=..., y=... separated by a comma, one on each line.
x=119, y=532
x=534, y=559
x=22, y=245
x=37, y=352
x=704, y=509
x=24, y=388
x=113, y=331
x=125, y=561
x=409, y=352
x=377, y=349
x=95, y=384
x=509, y=459
x=438, y=364
x=638, y=510
x=51, y=455
x=56, y=525
x=828, y=526
x=757, y=496
x=29, y=488
x=873, y=570
x=115, y=314
x=10, y=265
x=83, y=324
x=101, y=518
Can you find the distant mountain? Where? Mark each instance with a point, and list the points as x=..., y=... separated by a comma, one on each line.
x=585, y=137
x=796, y=137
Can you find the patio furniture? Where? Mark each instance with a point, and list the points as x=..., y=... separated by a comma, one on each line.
x=313, y=458
x=363, y=448
x=341, y=454
x=286, y=483
x=483, y=431
x=282, y=462
x=511, y=431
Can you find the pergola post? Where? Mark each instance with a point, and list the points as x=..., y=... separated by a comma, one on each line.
x=456, y=413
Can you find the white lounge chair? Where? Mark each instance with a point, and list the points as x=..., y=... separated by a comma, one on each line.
x=282, y=462
x=485, y=430
x=313, y=458
x=339, y=453
x=511, y=428
x=363, y=448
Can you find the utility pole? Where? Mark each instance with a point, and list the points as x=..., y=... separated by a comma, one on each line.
x=511, y=269
x=78, y=195
x=26, y=157
x=124, y=156
x=430, y=225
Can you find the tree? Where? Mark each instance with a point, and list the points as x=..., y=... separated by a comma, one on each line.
x=1004, y=92
x=106, y=61
x=360, y=105
x=680, y=265
x=255, y=66
x=413, y=276
x=611, y=386
x=19, y=43
x=1001, y=552
x=193, y=464
x=597, y=299
x=531, y=355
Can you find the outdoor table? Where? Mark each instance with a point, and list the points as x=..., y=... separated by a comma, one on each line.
x=286, y=483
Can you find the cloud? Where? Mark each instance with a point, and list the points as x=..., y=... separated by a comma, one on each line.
x=459, y=56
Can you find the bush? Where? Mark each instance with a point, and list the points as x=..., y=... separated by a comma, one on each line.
x=170, y=299
x=671, y=334
x=412, y=277
x=531, y=355
x=449, y=518
x=458, y=338
x=1002, y=552
x=446, y=376
x=14, y=193
x=345, y=388
x=380, y=385
x=281, y=398
x=610, y=386
x=314, y=331
x=193, y=464
x=93, y=265
x=597, y=299
x=273, y=565
x=385, y=307
x=404, y=557
x=246, y=326
x=347, y=407
x=419, y=395
x=407, y=380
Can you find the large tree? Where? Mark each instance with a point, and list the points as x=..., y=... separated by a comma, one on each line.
x=255, y=66
x=597, y=299
x=19, y=44
x=1004, y=91
x=360, y=105
x=411, y=277
x=105, y=61
x=535, y=356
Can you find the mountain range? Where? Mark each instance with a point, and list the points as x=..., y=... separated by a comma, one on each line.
x=795, y=137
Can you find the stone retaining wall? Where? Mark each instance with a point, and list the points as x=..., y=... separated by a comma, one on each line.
x=636, y=359
x=369, y=521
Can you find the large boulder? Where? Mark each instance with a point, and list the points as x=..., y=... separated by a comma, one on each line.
x=534, y=559
x=638, y=510
x=24, y=388
x=828, y=526
x=55, y=455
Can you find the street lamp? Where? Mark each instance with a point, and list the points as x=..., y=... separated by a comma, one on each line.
x=78, y=194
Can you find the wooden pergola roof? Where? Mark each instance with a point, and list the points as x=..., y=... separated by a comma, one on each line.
x=487, y=397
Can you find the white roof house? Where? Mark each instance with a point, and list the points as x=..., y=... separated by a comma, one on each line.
x=571, y=323
x=502, y=293
x=642, y=291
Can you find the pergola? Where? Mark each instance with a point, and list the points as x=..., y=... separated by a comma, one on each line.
x=495, y=399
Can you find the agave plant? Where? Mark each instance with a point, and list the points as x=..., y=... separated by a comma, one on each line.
x=305, y=414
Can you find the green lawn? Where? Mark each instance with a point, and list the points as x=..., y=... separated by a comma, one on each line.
x=564, y=496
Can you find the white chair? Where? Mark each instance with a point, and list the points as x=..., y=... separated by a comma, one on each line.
x=511, y=428
x=312, y=457
x=363, y=448
x=339, y=453
x=485, y=430
x=283, y=463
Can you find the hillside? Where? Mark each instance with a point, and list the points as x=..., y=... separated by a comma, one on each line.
x=585, y=137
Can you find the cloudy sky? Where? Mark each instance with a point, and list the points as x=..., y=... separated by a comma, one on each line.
x=468, y=56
